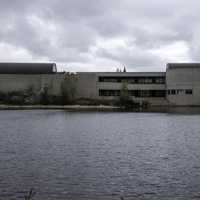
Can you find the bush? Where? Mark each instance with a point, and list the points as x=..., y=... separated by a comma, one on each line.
x=125, y=101
x=68, y=88
x=14, y=97
x=44, y=97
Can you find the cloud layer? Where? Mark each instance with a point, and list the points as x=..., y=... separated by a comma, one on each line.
x=102, y=35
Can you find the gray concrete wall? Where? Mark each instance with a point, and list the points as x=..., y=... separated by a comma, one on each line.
x=19, y=82
x=87, y=85
x=182, y=78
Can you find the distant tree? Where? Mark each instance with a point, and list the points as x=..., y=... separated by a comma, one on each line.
x=124, y=69
x=44, y=95
x=124, y=96
x=68, y=88
x=125, y=100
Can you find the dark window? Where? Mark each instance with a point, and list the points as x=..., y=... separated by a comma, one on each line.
x=158, y=93
x=145, y=93
x=134, y=93
x=159, y=80
x=133, y=80
x=109, y=92
x=180, y=91
x=173, y=92
x=189, y=91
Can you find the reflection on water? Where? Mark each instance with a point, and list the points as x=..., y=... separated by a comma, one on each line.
x=184, y=110
x=66, y=155
x=173, y=110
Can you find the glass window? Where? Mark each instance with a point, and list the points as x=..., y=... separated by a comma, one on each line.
x=188, y=91
x=133, y=80
x=173, y=92
x=159, y=80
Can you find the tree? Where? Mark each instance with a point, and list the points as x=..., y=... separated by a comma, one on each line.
x=68, y=88
x=125, y=100
x=124, y=69
x=44, y=95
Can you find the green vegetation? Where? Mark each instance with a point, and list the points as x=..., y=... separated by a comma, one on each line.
x=68, y=88
x=44, y=97
x=29, y=97
x=125, y=100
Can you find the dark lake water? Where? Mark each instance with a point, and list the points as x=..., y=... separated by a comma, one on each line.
x=75, y=156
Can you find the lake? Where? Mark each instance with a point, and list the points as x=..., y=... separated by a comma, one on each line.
x=99, y=155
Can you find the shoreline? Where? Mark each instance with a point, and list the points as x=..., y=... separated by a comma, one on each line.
x=60, y=107
x=105, y=108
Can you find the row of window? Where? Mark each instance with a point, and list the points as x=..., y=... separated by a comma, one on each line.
x=180, y=91
x=134, y=80
x=135, y=93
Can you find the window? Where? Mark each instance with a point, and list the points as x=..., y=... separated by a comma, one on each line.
x=109, y=92
x=158, y=93
x=180, y=92
x=173, y=92
x=145, y=93
x=134, y=93
x=133, y=79
x=188, y=91
x=159, y=80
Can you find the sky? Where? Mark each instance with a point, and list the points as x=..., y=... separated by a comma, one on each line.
x=100, y=35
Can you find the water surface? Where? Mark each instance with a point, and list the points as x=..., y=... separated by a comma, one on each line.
x=66, y=155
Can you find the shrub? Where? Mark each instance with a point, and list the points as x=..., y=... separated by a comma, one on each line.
x=68, y=88
x=125, y=100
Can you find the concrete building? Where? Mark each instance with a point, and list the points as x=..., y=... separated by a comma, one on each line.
x=178, y=86
x=15, y=77
x=183, y=84
x=142, y=86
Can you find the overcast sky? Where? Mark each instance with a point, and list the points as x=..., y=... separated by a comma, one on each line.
x=100, y=35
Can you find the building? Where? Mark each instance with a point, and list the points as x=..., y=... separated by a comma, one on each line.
x=183, y=84
x=178, y=86
x=15, y=77
x=28, y=68
x=142, y=86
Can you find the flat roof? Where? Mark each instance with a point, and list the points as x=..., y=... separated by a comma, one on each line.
x=126, y=74
x=27, y=68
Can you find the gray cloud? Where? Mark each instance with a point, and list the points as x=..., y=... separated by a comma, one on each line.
x=99, y=35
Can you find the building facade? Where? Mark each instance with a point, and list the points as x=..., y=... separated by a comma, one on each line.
x=142, y=87
x=18, y=77
x=183, y=84
x=178, y=86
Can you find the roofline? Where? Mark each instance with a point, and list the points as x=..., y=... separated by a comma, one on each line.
x=182, y=65
x=27, y=68
x=124, y=73
x=28, y=63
